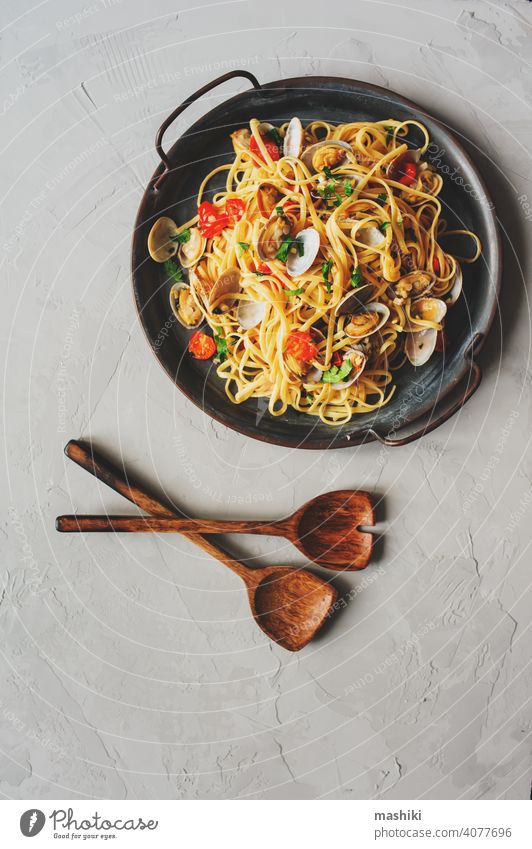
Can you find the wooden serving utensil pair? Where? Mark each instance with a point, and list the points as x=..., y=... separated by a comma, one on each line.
x=289, y=605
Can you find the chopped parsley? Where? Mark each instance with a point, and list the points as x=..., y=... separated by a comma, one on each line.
x=242, y=248
x=383, y=226
x=389, y=134
x=356, y=277
x=328, y=173
x=279, y=210
x=182, y=237
x=262, y=273
x=382, y=198
x=221, y=348
x=288, y=242
x=348, y=188
x=325, y=271
x=173, y=270
x=292, y=292
x=275, y=137
x=338, y=200
x=337, y=373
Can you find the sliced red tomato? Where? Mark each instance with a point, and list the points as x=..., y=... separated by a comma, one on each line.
x=234, y=209
x=408, y=173
x=436, y=265
x=270, y=146
x=264, y=269
x=337, y=358
x=301, y=346
x=201, y=346
x=441, y=342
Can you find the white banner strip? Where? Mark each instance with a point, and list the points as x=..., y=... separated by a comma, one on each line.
x=259, y=824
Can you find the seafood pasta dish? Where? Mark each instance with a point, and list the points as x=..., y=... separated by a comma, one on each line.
x=318, y=271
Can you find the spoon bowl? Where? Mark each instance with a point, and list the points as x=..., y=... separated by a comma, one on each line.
x=290, y=605
x=327, y=529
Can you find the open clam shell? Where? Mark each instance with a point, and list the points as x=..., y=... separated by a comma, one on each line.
x=395, y=167
x=355, y=299
x=419, y=347
x=250, y=313
x=191, y=252
x=268, y=196
x=412, y=285
x=162, y=244
x=358, y=361
x=426, y=309
x=225, y=290
x=184, y=307
x=370, y=236
x=271, y=236
x=325, y=154
x=293, y=139
x=456, y=289
x=297, y=263
x=241, y=139
x=367, y=320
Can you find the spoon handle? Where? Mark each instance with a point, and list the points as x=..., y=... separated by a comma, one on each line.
x=90, y=460
x=160, y=524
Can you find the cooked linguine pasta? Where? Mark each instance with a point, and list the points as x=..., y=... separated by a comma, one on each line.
x=318, y=269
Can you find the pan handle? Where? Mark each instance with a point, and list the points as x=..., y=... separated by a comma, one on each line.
x=175, y=114
x=474, y=376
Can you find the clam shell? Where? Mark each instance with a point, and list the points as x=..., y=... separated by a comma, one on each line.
x=426, y=309
x=393, y=171
x=413, y=285
x=356, y=371
x=370, y=236
x=419, y=347
x=250, y=313
x=375, y=306
x=161, y=245
x=190, y=252
x=308, y=155
x=225, y=289
x=296, y=264
x=262, y=200
x=271, y=237
x=177, y=294
x=456, y=290
x=293, y=139
x=355, y=299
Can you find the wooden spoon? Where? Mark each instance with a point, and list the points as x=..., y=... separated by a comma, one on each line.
x=324, y=529
x=289, y=605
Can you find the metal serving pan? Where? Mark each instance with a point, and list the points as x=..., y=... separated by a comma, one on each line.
x=426, y=396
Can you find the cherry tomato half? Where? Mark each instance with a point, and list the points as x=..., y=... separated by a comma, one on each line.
x=301, y=346
x=436, y=265
x=201, y=346
x=212, y=219
x=409, y=173
x=270, y=146
x=234, y=209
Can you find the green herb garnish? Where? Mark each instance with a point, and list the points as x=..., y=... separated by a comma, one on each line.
x=389, y=134
x=328, y=173
x=337, y=373
x=338, y=200
x=292, y=292
x=182, y=237
x=274, y=135
x=242, y=248
x=383, y=226
x=221, y=348
x=382, y=198
x=173, y=270
x=279, y=210
x=348, y=188
x=262, y=273
x=356, y=277
x=287, y=244
x=326, y=269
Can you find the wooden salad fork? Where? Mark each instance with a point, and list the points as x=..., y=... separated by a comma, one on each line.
x=326, y=529
x=289, y=605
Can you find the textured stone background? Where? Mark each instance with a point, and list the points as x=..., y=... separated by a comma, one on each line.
x=130, y=666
